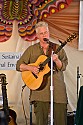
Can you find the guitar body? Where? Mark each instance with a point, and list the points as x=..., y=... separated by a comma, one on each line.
x=12, y=115
x=30, y=80
x=12, y=122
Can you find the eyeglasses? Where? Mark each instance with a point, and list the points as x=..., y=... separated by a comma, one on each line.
x=44, y=33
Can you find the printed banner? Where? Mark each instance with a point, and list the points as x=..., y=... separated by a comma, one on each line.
x=8, y=60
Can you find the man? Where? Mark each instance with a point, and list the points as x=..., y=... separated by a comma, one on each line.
x=41, y=98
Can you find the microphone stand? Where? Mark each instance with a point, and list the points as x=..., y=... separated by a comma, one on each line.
x=78, y=81
x=51, y=86
x=47, y=60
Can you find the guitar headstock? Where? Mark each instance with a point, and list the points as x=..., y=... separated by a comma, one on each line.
x=71, y=37
x=3, y=79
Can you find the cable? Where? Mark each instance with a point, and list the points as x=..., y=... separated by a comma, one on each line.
x=23, y=103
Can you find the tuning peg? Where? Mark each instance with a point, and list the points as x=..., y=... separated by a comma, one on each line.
x=74, y=35
x=68, y=39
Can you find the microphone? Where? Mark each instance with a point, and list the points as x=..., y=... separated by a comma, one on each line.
x=46, y=40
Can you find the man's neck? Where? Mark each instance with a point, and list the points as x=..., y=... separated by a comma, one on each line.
x=44, y=45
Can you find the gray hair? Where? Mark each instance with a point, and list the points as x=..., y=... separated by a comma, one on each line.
x=40, y=24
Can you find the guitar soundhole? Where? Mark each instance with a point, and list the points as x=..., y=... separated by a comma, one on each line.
x=41, y=68
x=35, y=75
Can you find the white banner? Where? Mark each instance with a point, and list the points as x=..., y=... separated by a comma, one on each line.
x=8, y=60
x=81, y=27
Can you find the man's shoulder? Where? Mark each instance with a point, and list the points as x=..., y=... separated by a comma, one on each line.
x=33, y=46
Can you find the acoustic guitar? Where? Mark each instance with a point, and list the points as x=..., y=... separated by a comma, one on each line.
x=9, y=114
x=35, y=82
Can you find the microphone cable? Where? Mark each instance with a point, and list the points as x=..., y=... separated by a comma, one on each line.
x=23, y=104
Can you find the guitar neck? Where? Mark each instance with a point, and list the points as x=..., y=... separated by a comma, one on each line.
x=46, y=61
x=5, y=102
x=60, y=47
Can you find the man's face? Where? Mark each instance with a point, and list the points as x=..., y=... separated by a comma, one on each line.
x=43, y=32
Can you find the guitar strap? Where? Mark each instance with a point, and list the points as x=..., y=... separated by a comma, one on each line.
x=52, y=47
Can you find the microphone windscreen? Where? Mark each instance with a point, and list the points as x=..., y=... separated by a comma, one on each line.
x=45, y=39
